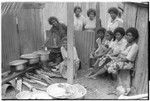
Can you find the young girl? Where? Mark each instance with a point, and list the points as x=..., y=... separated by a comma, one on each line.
x=116, y=47
x=99, y=50
x=62, y=67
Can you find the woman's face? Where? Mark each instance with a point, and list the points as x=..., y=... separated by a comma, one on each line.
x=77, y=12
x=54, y=22
x=65, y=44
x=101, y=34
x=108, y=36
x=118, y=36
x=91, y=16
x=129, y=37
x=113, y=15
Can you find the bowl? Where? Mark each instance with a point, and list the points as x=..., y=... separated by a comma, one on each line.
x=66, y=91
x=24, y=95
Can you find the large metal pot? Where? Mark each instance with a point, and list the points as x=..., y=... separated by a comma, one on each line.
x=44, y=55
x=18, y=65
x=32, y=58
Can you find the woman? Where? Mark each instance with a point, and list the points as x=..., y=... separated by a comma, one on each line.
x=125, y=61
x=106, y=46
x=114, y=21
x=99, y=50
x=90, y=22
x=116, y=47
x=62, y=67
x=78, y=19
x=57, y=28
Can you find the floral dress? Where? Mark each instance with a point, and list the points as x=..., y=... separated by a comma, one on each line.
x=129, y=53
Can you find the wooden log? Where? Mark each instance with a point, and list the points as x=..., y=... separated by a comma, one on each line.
x=70, y=35
x=10, y=77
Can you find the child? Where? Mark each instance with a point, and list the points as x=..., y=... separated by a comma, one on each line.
x=62, y=67
x=99, y=50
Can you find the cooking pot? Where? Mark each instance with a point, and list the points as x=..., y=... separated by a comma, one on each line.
x=32, y=58
x=44, y=55
x=18, y=65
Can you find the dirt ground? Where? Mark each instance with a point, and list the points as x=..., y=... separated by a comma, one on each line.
x=96, y=89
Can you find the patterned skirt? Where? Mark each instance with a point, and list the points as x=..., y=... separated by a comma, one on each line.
x=116, y=65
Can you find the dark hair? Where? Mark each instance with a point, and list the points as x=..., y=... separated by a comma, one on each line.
x=50, y=19
x=111, y=34
x=77, y=7
x=114, y=10
x=91, y=10
x=134, y=32
x=102, y=30
x=120, y=30
x=64, y=39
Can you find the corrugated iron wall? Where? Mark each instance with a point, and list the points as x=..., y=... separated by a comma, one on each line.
x=84, y=42
x=24, y=39
x=10, y=41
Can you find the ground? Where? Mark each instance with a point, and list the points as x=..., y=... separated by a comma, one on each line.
x=96, y=89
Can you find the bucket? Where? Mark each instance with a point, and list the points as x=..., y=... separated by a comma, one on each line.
x=44, y=55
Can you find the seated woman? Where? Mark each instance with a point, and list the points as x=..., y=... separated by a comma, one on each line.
x=125, y=60
x=116, y=47
x=90, y=22
x=106, y=46
x=62, y=67
x=99, y=50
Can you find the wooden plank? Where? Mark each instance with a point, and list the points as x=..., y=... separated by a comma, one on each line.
x=70, y=32
x=10, y=42
x=129, y=10
x=142, y=61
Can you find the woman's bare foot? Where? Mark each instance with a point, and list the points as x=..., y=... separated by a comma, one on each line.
x=92, y=77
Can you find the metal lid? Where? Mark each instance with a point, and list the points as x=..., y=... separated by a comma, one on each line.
x=29, y=56
x=41, y=52
x=17, y=62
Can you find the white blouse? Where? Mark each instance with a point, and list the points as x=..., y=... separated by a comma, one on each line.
x=78, y=22
x=130, y=52
x=90, y=24
x=64, y=53
x=112, y=25
x=119, y=46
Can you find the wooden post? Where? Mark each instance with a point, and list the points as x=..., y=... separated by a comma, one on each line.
x=70, y=34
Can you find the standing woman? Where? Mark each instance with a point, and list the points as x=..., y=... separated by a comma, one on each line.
x=114, y=20
x=78, y=19
x=57, y=28
x=90, y=22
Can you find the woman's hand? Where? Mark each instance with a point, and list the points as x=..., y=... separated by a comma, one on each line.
x=123, y=60
x=65, y=59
